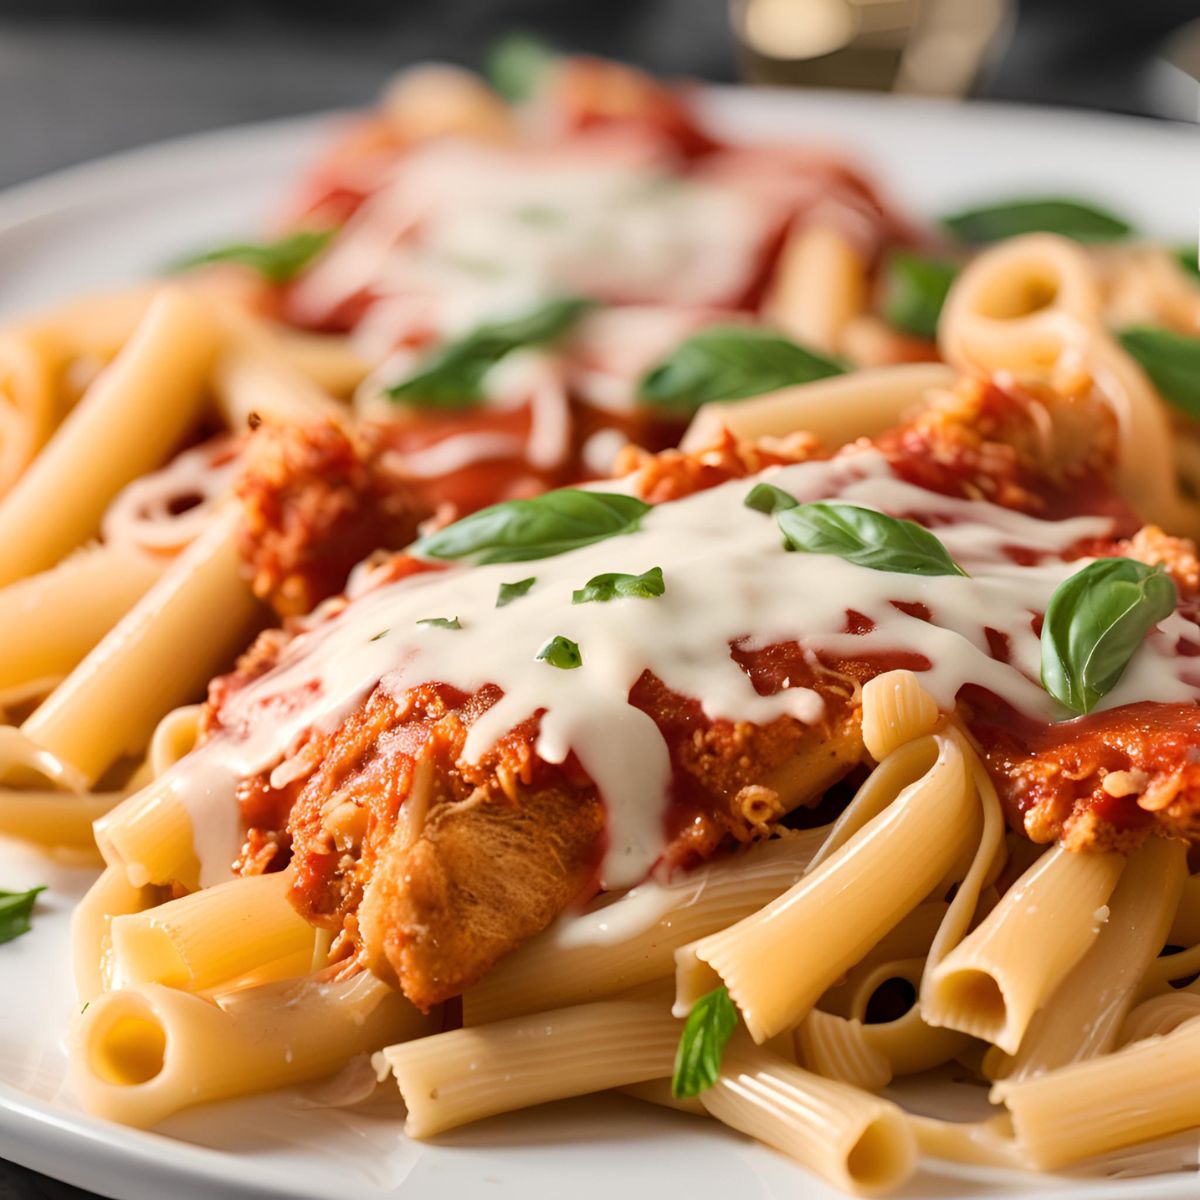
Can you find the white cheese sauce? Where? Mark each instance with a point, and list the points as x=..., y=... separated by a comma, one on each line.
x=728, y=579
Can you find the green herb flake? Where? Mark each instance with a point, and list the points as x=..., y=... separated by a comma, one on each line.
x=730, y=363
x=1189, y=260
x=914, y=289
x=440, y=622
x=1068, y=218
x=540, y=527
x=706, y=1033
x=16, y=912
x=1172, y=360
x=767, y=498
x=381, y=634
x=514, y=591
x=540, y=215
x=866, y=538
x=615, y=586
x=560, y=652
x=1094, y=624
x=277, y=262
x=517, y=65
x=452, y=376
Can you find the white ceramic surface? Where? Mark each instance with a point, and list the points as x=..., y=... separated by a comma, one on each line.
x=123, y=218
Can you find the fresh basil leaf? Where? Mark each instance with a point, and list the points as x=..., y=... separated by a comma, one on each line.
x=560, y=652
x=452, y=376
x=706, y=1033
x=517, y=64
x=616, y=586
x=514, y=591
x=441, y=622
x=16, y=912
x=914, y=290
x=277, y=262
x=767, y=498
x=1172, y=360
x=1068, y=218
x=1095, y=622
x=541, y=527
x=730, y=363
x=1189, y=259
x=866, y=538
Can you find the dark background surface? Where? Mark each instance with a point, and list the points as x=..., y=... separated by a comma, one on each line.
x=74, y=86
x=80, y=78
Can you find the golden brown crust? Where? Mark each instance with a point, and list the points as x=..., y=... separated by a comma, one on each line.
x=485, y=874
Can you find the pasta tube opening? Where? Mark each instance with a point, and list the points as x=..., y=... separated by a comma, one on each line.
x=126, y=1043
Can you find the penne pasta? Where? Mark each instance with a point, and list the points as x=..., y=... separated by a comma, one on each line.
x=994, y=981
x=214, y=936
x=142, y=1055
x=843, y=906
x=1085, y=1012
x=454, y=1078
x=44, y=629
x=856, y=1141
x=867, y=401
x=112, y=895
x=1147, y=1090
x=202, y=590
x=134, y=414
x=819, y=287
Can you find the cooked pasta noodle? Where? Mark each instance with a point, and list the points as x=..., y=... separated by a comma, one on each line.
x=843, y=906
x=856, y=1141
x=453, y=1078
x=145, y=1054
x=134, y=413
x=994, y=981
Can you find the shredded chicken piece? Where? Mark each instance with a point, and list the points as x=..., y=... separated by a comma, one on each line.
x=317, y=499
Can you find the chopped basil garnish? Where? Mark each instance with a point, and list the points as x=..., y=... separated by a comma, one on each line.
x=541, y=527
x=517, y=64
x=16, y=912
x=914, y=290
x=452, y=376
x=560, y=652
x=1095, y=622
x=1069, y=218
x=730, y=363
x=514, y=591
x=1172, y=360
x=706, y=1033
x=1189, y=259
x=866, y=538
x=381, y=634
x=767, y=498
x=616, y=586
x=277, y=262
x=441, y=622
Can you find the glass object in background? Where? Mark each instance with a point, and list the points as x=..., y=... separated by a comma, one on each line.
x=927, y=47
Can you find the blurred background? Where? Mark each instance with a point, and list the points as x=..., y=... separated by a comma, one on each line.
x=81, y=78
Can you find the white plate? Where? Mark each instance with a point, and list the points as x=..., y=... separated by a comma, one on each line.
x=122, y=218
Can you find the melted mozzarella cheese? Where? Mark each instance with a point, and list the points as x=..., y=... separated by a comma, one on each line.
x=467, y=233
x=728, y=579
